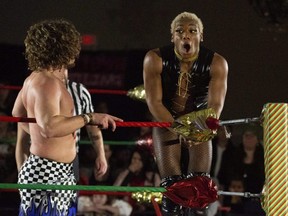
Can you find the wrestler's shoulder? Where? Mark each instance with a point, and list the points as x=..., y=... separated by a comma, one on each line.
x=42, y=82
x=218, y=58
x=219, y=63
x=153, y=56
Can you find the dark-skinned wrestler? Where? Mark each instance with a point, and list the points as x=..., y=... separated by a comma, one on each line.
x=178, y=79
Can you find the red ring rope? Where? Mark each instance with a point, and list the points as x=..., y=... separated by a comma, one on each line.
x=10, y=87
x=105, y=91
x=17, y=119
x=156, y=207
x=119, y=124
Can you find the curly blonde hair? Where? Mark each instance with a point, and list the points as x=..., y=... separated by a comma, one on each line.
x=52, y=43
x=188, y=15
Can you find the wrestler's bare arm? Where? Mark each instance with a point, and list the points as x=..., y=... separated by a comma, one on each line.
x=54, y=114
x=53, y=110
x=218, y=84
x=152, y=68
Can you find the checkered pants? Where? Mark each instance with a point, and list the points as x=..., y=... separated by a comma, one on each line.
x=38, y=170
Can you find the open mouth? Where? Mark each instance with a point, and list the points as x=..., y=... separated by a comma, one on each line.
x=187, y=47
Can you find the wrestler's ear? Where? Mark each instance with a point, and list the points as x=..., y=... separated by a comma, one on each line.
x=172, y=38
x=201, y=37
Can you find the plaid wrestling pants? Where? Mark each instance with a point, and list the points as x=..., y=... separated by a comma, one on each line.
x=40, y=202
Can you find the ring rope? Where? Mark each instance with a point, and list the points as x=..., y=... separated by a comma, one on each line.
x=140, y=124
x=85, y=193
x=119, y=124
x=102, y=188
x=242, y=194
x=10, y=87
x=81, y=187
x=156, y=207
x=110, y=142
x=17, y=119
x=105, y=91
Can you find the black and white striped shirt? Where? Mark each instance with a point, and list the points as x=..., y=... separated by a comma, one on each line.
x=82, y=101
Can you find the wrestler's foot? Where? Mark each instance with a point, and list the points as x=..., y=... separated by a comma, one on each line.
x=169, y=208
x=195, y=212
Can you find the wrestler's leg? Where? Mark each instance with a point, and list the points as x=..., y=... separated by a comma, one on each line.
x=167, y=150
x=200, y=157
x=37, y=170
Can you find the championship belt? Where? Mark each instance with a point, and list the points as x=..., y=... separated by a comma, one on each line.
x=192, y=126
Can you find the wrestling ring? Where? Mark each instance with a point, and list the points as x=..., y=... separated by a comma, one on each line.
x=274, y=197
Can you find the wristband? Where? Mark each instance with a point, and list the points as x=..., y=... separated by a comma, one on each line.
x=90, y=117
x=87, y=118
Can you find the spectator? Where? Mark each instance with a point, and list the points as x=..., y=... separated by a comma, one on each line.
x=234, y=203
x=140, y=172
x=247, y=161
x=135, y=173
x=103, y=205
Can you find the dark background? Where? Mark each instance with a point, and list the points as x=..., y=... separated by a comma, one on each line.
x=255, y=48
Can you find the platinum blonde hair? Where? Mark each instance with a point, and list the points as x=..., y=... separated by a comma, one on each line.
x=187, y=15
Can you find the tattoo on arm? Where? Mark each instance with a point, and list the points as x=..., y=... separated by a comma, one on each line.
x=94, y=137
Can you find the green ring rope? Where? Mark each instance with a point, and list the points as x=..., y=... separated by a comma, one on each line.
x=81, y=187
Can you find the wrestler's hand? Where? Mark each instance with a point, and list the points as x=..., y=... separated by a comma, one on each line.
x=100, y=167
x=103, y=120
x=192, y=127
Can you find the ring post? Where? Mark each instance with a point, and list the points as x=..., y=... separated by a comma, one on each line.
x=275, y=129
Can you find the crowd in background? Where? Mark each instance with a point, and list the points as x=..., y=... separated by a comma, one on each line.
x=237, y=166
